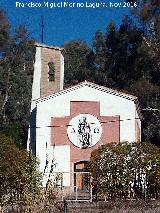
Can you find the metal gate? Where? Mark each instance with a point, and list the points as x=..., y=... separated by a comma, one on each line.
x=82, y=189
x=79, y=189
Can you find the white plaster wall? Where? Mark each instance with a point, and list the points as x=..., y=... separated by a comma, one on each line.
x=36, y=84
x=61, y=72
x=36, y=77
x=61, y=156
x=110, y=105
x=138, y=120
x=60, y=106
x=137, y=116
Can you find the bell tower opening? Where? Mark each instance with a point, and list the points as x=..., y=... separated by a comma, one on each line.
x=51, y=71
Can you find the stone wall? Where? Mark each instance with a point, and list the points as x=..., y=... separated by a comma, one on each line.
x=50, y=55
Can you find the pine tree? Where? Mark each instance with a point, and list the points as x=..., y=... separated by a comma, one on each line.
x=16, y=71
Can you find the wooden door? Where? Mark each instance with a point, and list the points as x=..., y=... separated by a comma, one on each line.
x=79, y=168
x=81, y=179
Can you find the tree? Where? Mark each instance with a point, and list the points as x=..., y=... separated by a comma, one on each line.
x=4, y=31
x=148, y=17
x=19, y=178
x=78, y=62
x=124, y=58
x=16, y=72
x=21, y=182
x=127, y=58
x=116, y=53
x=149, y=98
x=127, y=170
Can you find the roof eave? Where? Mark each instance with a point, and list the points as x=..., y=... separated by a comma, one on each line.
x=89, y=84
x=49, y=46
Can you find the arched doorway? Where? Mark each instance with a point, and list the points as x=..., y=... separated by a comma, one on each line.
x=81, y=176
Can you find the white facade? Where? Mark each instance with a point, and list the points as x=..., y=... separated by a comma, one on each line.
x=58, y=105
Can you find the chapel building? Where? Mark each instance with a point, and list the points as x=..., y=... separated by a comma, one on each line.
x=66, y=125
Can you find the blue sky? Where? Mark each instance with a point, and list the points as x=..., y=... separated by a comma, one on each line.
x=64, y=24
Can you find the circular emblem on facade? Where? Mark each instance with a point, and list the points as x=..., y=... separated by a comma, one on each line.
x=84, y=130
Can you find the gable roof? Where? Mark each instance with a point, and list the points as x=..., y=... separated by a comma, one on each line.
x=98, y=87
x=91, y=85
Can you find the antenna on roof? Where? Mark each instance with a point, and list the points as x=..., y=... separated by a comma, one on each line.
x=42, y=28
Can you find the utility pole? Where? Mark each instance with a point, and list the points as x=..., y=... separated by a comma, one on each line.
x=42, y=29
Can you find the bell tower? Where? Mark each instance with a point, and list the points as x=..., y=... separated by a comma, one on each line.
x=48, y=71
x=48, y=78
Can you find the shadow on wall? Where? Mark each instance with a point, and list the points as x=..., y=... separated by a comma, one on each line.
x=32, y=145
